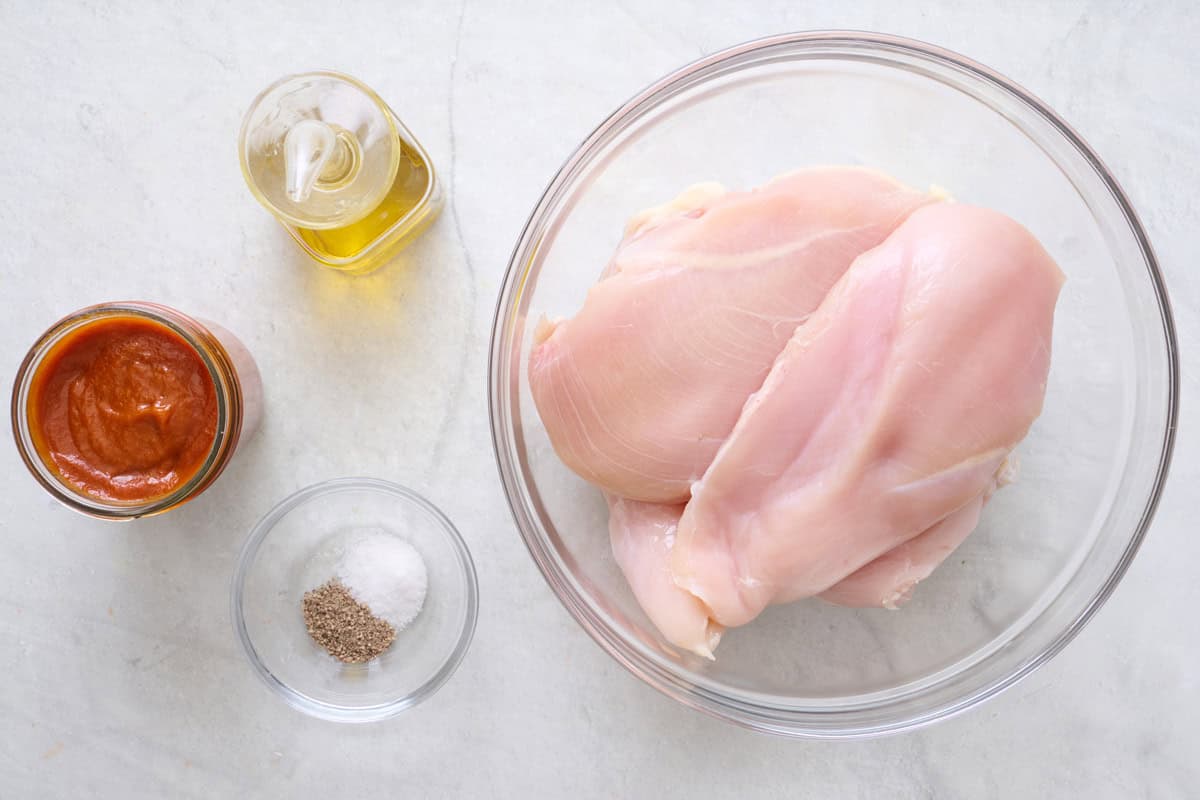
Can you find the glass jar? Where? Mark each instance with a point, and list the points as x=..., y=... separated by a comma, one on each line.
x=238, y=390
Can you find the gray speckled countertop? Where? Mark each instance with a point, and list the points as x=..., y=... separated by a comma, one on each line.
x=121, y=674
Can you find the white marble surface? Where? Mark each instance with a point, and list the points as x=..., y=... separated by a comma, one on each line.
x=121, y=677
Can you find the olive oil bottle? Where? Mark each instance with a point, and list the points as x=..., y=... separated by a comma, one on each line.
x=337, y=167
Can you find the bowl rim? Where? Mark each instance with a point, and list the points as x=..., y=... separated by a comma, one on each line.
x=328, y=711
x=748, y=714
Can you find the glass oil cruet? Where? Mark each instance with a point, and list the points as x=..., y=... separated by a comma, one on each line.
x=336, y=166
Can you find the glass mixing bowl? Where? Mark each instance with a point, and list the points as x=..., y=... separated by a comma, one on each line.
x=288, y=553
x=1049, y=549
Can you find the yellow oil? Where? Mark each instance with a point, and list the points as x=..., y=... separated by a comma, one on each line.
x=406, y=210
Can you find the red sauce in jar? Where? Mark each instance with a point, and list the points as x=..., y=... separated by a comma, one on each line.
x=123, y=409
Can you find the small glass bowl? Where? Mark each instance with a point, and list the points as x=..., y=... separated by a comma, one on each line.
x=276, y=567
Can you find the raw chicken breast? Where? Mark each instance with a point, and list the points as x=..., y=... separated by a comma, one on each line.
x=642, y=535
x=889, y=580
x=640, y=388
x=893, y=407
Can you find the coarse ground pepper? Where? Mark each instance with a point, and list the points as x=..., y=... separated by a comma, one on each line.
x=343, y=626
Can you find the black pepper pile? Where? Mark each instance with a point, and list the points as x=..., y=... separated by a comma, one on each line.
x=343, y=626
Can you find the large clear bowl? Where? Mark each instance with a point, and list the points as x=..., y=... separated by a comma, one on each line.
x=1050, y=548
